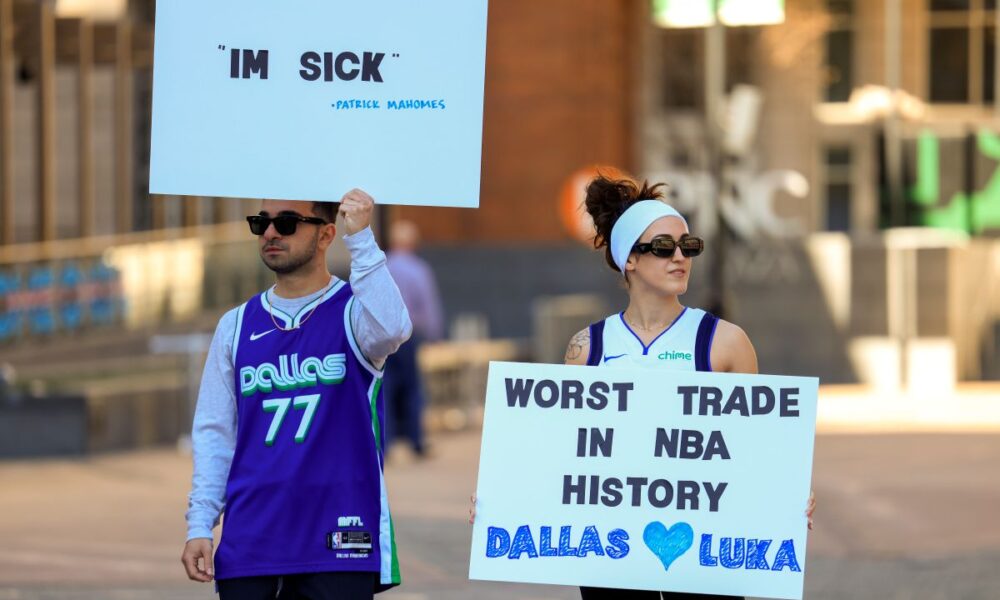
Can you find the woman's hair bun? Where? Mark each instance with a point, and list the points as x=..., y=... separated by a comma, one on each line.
x=607, y=199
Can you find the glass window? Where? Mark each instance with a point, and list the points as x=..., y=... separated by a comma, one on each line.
x=949, y=63
x=838, y=157
x=740, y=43
x=839, y=48
x=683, y=59
x=946, y=5
x=989, y=63
x=838, y=207
x=838, y=188
x=961, y=38
x=682, y=67
x=840, y=7
x=839, y=65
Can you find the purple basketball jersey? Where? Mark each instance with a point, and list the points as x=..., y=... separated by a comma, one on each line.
x=306, y=492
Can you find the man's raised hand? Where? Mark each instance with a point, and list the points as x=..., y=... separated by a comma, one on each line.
x=356, y=210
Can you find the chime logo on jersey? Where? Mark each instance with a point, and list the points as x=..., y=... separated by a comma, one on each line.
x=674, y=355
x=289, y=373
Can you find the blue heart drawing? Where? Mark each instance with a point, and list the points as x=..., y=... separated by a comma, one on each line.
x=668, y=544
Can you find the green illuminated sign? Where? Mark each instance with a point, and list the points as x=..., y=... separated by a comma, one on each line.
x=701, y=13
x=975, y=212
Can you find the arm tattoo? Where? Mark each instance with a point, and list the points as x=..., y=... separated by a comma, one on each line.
x=575, y=347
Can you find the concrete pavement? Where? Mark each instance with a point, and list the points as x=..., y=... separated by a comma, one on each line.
x=900, y=516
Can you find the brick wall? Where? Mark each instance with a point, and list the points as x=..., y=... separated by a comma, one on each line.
x=559, y=93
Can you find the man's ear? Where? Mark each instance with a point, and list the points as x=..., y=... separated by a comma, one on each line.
x=327, y=234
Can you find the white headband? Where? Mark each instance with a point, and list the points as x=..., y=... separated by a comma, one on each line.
x=629, y=227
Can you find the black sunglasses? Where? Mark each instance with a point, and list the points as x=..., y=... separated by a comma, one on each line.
x=283, y=224
x=663, y=246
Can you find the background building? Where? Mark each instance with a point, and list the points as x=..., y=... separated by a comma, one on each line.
x=842, y=163
x=847, y=152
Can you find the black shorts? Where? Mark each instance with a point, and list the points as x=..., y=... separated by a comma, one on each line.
x=591, y=593
x=345, y=585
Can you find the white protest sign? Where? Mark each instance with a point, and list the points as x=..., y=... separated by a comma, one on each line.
x=644, y=479
x=307, y=99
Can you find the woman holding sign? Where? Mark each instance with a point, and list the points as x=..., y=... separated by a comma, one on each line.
x=649, y=242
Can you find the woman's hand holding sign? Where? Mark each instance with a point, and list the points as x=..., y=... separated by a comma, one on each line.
x=811, y=508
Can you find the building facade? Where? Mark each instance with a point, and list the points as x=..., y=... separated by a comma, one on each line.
x=845, y=119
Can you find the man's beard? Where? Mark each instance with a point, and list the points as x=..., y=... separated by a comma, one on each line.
x=289, y=263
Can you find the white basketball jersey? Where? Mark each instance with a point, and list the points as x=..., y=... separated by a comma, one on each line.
x=685, y=345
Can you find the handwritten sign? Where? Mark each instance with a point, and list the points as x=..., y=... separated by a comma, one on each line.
x=644, y=479
x=307, y=99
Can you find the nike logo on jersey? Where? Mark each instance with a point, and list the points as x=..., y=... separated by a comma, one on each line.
x=607, y=358
x=256, y=336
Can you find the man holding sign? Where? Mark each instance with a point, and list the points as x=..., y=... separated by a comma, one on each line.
x=654, y=332
x=288, y=428
x=291, y=100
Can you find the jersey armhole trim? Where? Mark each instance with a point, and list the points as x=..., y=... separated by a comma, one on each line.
x=703, y=342
x=596, y=344
x=236, y=334
x=355, y=347
x=711, y=339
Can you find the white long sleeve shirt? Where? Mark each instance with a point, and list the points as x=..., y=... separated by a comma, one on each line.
x=381, y=324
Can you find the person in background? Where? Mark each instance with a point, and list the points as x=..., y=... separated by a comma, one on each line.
x=403, y=386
